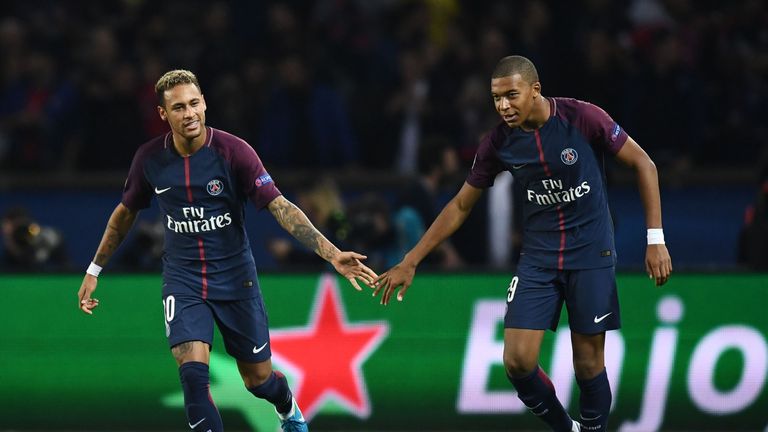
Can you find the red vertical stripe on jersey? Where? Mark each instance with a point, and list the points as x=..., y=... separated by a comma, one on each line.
x=204, y=268
x=541, y=153
x=560, y=215
x=186, y=179
x=561, y=223
x=200, y=246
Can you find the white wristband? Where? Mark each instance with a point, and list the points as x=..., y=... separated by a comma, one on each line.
x=94, y=269
x=655, y=236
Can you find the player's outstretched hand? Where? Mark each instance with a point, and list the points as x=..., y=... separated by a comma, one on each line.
x=401, y=275
x=348, y=265
x=85, y=302
x=658, y=263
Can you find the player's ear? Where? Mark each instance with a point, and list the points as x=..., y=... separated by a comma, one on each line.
x=536, y=89
x=162, y=113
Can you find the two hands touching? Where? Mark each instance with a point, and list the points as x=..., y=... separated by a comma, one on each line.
x=349, y=264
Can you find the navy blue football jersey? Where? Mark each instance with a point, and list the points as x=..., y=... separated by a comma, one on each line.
x=560, y=168
x=202, y=198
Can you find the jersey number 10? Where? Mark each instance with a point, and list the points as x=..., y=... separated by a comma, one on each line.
x=169, y=304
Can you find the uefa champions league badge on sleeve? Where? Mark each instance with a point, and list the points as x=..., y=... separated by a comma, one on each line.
x=616, y=132
x=262, y=180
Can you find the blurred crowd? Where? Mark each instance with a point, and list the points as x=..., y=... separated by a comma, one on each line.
x=373, y=85
x=348, y=84
x=29, y=246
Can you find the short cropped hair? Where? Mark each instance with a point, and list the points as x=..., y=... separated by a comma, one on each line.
x=171, y=79
x=515, y=64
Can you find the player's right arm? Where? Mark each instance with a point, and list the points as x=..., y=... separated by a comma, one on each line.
x=347, y=263
x=118, y=226
x=447, y=222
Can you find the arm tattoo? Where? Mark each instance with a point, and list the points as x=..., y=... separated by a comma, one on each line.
x=117, y=228
x=293, y=220
x=112, y=239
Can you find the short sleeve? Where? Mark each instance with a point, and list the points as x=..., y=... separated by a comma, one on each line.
x=487, y=164
x=137, y=192
x=601, y=129
x=252, y=177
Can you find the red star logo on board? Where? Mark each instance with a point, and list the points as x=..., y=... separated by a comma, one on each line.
x=327, y=355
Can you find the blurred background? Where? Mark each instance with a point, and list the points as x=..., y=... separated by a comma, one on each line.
x=368, y=114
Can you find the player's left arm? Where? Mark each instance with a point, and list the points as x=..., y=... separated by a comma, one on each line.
x=658, y=263
x=293, y=220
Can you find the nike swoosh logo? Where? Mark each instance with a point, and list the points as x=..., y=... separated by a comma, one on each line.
x=192, y=426
x=519, y=166
x=597, y=320
x=258, y=350
x=159, y=191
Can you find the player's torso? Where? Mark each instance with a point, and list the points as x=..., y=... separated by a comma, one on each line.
x=557, y=169
x=561, y=176
x=206, y=247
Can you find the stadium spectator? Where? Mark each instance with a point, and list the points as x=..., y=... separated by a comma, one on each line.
x=38, y=114
x=29, y=246
x=305, y=123
x=753, y=239
x=438, y=167
x=110, y=103
x=371, y=226
x=625, y=55
x=408, y=108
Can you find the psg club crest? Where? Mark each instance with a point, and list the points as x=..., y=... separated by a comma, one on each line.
x=569, y=156
x=215, y=187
